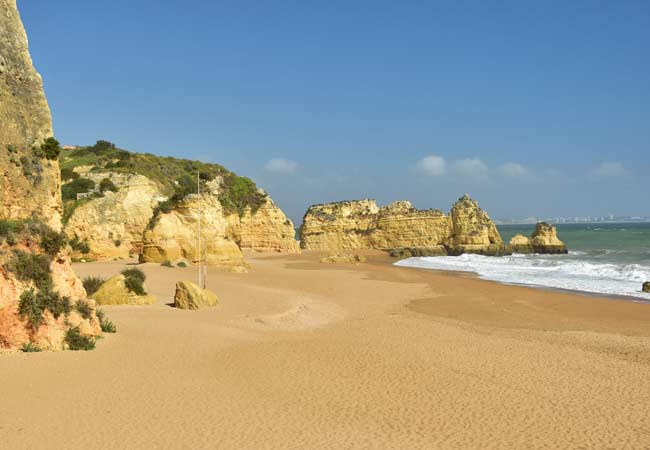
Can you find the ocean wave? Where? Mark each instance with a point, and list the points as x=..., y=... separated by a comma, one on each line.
x=538, y=270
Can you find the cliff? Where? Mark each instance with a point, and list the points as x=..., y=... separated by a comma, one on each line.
x=41, y=299
x=363, y=225
x=112, y=196
x=543, y=240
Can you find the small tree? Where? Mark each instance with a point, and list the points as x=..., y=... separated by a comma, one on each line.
x=107, y=185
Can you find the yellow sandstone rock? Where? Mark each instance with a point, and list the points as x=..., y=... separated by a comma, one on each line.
x=114, y=292
x=190, y=296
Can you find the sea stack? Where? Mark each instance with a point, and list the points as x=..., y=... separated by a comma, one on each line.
x=400, y=228
x=544, y=240
x=38, y=289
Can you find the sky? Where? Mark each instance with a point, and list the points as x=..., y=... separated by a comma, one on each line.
x=533, y=108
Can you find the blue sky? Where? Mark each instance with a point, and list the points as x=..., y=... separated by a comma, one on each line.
x=534, y=108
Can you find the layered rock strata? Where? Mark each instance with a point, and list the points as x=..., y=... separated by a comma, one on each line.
x=40, y=296
x=400, y=227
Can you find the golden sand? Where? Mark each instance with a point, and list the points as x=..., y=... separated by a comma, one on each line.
x=303, y=355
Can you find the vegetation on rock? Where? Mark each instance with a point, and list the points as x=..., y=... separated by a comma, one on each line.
x=77, y=341
x=92, y=284
x=134, y=280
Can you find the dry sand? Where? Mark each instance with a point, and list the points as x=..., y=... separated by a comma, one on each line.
x=303, y=355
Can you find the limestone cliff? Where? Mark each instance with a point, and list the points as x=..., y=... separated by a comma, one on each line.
x=111, y=226
x=543, y=240
x=29, y=183
x=174, y=235
x=40, y=296
x=112, y=195
x=363, y=225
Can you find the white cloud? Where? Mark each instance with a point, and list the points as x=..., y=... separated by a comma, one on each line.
x=281, y=165
x=513, y=169
x=433, y=165
x=609, y=169
x=471, y=167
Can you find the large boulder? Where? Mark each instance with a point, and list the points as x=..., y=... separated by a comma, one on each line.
x=362, y=224
x=30, y=189
x=646, y=287
x=190, y=296
x=114, y=292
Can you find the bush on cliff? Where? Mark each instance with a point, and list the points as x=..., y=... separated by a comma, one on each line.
x=107, y=185
x=32, y=306
x=31, y=267
x=77, y=341
x=240, y=193
x=70, y=190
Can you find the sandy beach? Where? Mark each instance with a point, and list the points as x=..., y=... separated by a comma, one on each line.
x=304, y=355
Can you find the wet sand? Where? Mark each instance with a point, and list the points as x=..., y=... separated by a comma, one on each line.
x=304, y=355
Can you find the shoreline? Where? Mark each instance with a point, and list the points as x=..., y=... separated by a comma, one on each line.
x=375, y=354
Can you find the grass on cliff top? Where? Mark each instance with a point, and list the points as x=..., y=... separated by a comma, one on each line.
x=176, y=177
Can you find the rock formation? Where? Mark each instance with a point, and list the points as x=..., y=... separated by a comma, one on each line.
x=543, y=240
x=190, y=296
x=112, y=225
x=173, y=234
x=646, y=287
x=40, y=296
x=115, y=292
x=399, y=226
x=111, y=196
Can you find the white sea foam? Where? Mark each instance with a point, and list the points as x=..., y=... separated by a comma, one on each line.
x=557, y=271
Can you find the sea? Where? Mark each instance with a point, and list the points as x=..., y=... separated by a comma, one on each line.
x=608, y=259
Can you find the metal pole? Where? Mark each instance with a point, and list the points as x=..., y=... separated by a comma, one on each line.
x=198, y=248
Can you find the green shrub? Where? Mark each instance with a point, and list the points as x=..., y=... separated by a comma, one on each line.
x=135, y=285
x=80, y=246
x=9, y=227
x=77, y=341
x=240, y=193
x=107, y=185
x=107, y=325
x=50, y=149
x=92, y=284
x=52, y=242
x=84, y=309
x=68, y=174
x=30, y=309
x=70, y=190
x=134, y=273
x=167, y=263
x=30, y=347
x=31, y=267
x=32, y=306
x=182, y=264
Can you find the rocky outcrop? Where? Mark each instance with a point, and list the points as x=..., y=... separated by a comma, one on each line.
x=344, y=259
x=190, y=296
x=403, y=253
x=174, y=234
x=363, y=225
x=112, y=225
x=114, y=292
x=39, y=292
x=266, y=230
x=543, y=240
x=646, y=287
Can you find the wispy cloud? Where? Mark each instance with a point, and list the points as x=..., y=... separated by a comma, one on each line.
x=513, y=169
x=433, y=165
x=609, y=169
x=281, y=165
x=471, y=167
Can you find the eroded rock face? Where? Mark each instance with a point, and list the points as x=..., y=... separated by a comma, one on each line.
x=266, y=230
x=28, y=184
x=344, y=259
x=363, y=225
x=113, y=225
x=543, y=240
x=30, y=188
x=190, y=296
x=174, y=235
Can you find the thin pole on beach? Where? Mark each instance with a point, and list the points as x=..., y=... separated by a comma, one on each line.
x=198, y=192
